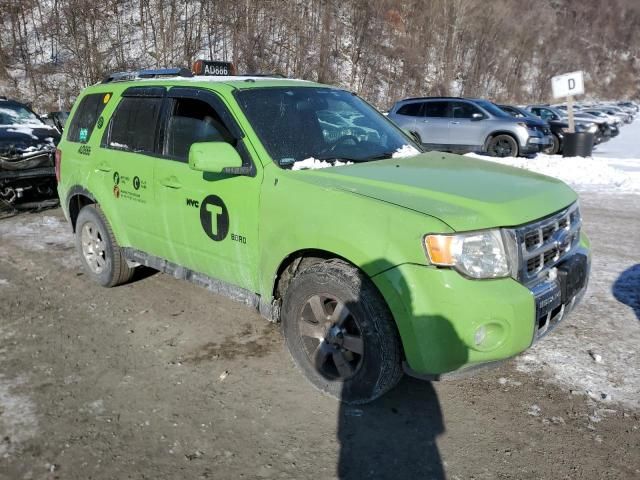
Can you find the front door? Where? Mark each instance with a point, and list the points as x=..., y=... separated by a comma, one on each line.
x=465, y=130
x=433, y=127
x=209, y=221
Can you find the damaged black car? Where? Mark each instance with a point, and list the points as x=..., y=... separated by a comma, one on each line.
x=27, y=155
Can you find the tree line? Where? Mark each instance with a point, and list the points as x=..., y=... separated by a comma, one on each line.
x=505, y=50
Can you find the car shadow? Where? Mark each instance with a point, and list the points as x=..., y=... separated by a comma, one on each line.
x=395, y=436
x=626, y=288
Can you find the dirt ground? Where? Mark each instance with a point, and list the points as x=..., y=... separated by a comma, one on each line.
x=160, y=379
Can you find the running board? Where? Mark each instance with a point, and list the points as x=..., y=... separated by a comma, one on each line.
x=220, y=287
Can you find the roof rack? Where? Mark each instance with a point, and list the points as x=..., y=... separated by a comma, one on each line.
x=154, y=73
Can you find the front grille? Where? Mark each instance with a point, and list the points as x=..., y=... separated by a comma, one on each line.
x=543, y=244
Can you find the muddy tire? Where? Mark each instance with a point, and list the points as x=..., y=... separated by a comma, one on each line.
x=340, y=332
x=503, y=146
x=99, y=252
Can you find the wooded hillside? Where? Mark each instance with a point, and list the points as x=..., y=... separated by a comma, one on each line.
x=382, y=49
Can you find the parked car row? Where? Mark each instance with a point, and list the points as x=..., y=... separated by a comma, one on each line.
x=477, y=125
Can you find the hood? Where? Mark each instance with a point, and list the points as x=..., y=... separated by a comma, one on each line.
x=558, y=123
x=464, y=192
x=26, y=139
x=533, y=122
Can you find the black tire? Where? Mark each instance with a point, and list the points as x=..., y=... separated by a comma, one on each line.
x=360, y=355
x=502, y=145
x=105, y=264
x=554, y=148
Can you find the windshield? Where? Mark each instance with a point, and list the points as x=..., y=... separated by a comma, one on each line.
x=492, y=108
x=18, y=115
x=299, y=123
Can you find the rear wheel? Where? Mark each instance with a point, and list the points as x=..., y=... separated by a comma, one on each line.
x=554, y=148
x=340, y=332
x=100, y=254
x=503, y=146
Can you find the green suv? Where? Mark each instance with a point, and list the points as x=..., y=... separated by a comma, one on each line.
x=388, y=260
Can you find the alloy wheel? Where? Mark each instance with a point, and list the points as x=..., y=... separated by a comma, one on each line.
x=331, y=337
x=93, y=247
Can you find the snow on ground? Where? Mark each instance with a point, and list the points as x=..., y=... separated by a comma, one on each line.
x=41, y=233
x=18, y=419
x=613, y=168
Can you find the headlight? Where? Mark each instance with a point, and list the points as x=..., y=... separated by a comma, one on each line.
x=483, y=254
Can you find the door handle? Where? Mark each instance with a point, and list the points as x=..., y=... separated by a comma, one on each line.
x=171, y=182
x=103, y=167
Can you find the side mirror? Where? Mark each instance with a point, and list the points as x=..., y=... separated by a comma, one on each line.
x=213, y=157
x=412, y=135
x=476, y=116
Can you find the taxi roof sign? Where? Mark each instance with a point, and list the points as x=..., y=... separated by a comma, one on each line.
x=213, y=68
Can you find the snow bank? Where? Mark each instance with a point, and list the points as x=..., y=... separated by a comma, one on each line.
x=315, y=164
x=607, y=175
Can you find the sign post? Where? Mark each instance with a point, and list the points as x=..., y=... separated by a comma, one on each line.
x=568, y=85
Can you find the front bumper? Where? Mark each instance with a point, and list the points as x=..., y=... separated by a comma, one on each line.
x=450, y=323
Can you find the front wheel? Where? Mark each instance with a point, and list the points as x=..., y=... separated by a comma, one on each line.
x=503, y=146
x=340, y=332
x=100, y=254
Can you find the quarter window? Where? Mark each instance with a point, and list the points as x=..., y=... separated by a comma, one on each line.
x=86, y=116
x=192, y=121
x=134, y=124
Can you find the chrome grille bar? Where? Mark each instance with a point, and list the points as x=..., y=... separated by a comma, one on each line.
x=545, y=243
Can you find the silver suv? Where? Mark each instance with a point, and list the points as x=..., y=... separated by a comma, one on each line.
x=470, y=125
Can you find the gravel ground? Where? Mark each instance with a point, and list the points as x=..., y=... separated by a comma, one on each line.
x=161, y=379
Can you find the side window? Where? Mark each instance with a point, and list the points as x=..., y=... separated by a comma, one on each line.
x=546, y=114
x=435, y=109
x=192, y=121
x=134, y=124
x=411, y=109
x=463, y=110
x=86, y=116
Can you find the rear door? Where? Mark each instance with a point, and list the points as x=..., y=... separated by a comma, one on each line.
x=208, y=221
x=126, y=165
x=433, y=127
x=408, y=114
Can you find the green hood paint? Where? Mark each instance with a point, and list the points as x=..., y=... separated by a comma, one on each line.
x=465, y=193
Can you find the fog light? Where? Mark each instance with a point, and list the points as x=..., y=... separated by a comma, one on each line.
x=490, y=336
x=481, y=334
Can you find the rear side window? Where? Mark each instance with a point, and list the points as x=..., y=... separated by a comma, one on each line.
x=411, y=109
x=435, y=109
x=134, y=124
x=192, y=121
x=86, y=116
